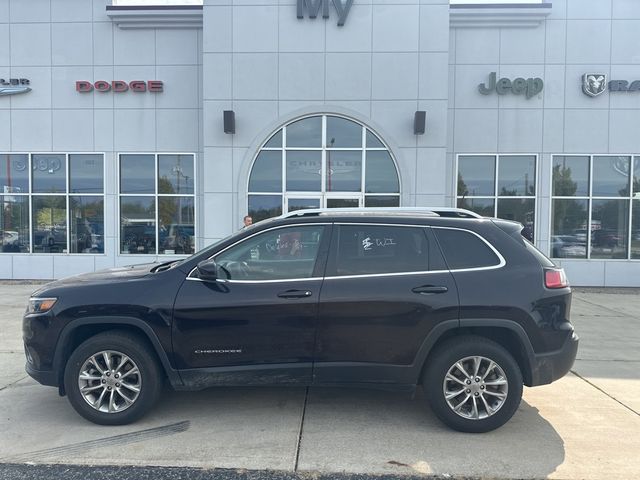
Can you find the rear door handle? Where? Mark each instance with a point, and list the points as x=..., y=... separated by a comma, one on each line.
x=295, y=294
x=430, y=289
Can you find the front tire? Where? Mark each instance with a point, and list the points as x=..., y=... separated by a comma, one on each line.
x=113, y=378
x=473, y=384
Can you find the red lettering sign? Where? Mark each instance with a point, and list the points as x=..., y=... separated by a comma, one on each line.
x=119, y=86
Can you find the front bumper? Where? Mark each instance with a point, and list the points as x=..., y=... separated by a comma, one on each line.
x=549, y=367
x=45, y=377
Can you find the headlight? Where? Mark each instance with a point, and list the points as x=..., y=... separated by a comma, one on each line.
x=41, y=305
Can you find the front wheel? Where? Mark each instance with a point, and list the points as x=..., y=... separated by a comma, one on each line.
x=113, y=378
x=473, y=384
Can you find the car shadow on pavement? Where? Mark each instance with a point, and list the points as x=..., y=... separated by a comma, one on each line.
x=384, y=432
x=368, y=431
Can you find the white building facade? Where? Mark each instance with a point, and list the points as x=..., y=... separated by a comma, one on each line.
x=136, y=134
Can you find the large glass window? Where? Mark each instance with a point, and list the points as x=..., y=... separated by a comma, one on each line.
x=334, y=160
x=593, y=209
x=501, y=186
x=52, y=203
x=157, y=204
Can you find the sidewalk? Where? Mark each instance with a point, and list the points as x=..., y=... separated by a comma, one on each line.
x=584, y=426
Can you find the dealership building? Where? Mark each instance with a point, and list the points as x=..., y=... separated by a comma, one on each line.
x=132, y=134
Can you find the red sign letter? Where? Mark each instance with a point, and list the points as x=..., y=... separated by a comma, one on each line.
x=138, y=86
x=119, y=86
x=102, y=86
x=155, y=85
x=83, y=86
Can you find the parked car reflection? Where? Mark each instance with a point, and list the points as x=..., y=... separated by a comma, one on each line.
x=50, y=238
x=568, y=246
x=178, y=238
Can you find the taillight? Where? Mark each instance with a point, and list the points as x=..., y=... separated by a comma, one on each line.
x=555, y=278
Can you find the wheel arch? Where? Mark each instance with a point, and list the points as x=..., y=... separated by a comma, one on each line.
x=506, y=333
x=79, y=330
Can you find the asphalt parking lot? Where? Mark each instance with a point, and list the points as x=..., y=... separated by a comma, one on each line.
x=585, y=426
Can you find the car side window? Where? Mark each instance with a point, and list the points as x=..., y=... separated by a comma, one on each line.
x=283, y=253
x=379, y=249
x=463, y=249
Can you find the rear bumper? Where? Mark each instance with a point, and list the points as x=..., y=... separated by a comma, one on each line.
x=549, y=367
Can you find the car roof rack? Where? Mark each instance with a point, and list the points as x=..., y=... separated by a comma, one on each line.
x=427, y=211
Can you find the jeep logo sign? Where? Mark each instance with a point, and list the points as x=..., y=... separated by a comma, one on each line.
x=529, y=87
x=313, y=7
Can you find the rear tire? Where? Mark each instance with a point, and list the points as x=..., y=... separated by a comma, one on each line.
x=473, y=384
x=113, y=378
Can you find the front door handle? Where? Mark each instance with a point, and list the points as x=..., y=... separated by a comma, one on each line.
x=295, y=294
x=430, y=289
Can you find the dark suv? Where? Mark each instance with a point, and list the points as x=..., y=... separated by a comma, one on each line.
x=462, y=305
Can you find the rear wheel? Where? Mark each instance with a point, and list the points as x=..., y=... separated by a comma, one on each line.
x=113, y=378
x=473, y=384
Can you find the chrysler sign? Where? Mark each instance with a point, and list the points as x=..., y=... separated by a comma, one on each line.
x=119, y=86
x=13, y=86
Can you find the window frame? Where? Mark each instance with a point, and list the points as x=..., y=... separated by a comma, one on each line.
x=629, y=199
x=156, y=196
x=67, y=194
x=496, y=197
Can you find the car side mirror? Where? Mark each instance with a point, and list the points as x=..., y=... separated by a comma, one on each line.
x=208, y=270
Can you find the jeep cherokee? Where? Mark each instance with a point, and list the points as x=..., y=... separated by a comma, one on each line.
x=443, y=298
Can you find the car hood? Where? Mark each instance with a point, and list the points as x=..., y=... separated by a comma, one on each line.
x=130, y=272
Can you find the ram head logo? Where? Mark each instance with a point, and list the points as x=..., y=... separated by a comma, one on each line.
x=593, y=84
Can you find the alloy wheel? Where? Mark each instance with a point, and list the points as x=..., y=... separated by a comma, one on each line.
x=475, y=387
x=110, y=381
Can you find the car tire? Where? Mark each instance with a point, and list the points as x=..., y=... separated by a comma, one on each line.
x=117, y=395
x=454, y=384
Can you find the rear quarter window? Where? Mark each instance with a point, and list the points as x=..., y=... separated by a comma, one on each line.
x=463, y=249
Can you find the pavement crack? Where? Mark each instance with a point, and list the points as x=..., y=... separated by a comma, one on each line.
x=81, y=447
x=602, y=391
x=13, y=383
x=299, y=440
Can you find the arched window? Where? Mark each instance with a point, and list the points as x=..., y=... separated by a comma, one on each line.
x=322, y=161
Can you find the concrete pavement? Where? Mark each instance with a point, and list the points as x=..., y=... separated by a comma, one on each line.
x=584, y=426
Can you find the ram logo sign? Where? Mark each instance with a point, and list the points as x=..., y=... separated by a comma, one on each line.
x=313, y=8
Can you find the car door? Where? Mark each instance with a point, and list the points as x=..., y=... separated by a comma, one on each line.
x=386, y=288
x=257, y=323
